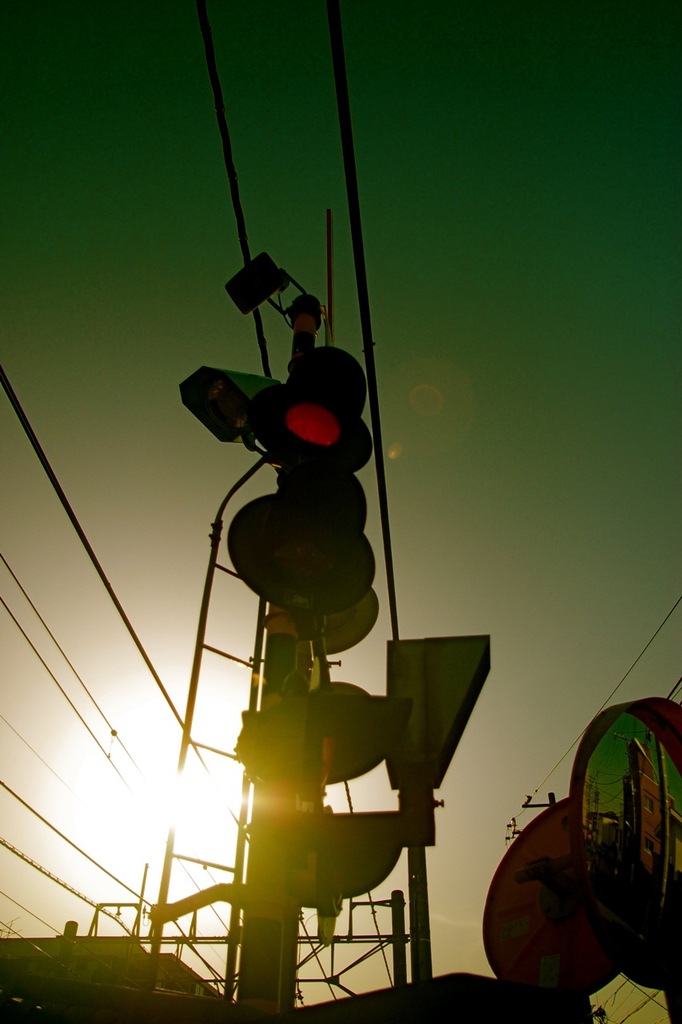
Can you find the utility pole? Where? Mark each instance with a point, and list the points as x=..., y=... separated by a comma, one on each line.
x=420, y=927
x=269, y=934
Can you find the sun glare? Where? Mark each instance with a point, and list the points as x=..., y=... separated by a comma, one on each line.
x=125, y=805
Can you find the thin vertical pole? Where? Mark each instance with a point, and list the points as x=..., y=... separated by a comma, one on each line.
x=420, y=928
x=419, y=905
x=186, y=741
x=330, y=278
x=140, y=907
x=234, y=936
x=269, y=934
x=399, y=937
x=348, y=151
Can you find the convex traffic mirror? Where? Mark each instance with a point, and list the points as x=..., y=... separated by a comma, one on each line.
x=625, y=819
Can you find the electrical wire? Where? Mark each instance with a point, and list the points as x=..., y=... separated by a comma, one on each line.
x=219, y=103
x=346, y=130
x=61, y=688
x=66, y=839
x=16, y=405
x=646, y=1001
x=382, y=945
x=626, y=987
x=35, y=864
x=100, y=867
x=613, y=692
x=211, y=906
x=86, y=899
x=675, y=690
x=372, y=902
x=114, y=732
x=185, y=938
x=91, y=955
x=36, y=754
x=60, y=882
x=31, y=914
x=314, y=955
x=358, y=249
x=229, y=163
x=639, y=656
x=30, y=433
x=75, y=523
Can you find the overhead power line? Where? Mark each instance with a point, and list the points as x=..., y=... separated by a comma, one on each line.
x=60, y=881
x=614, y=691
x=44, y=952
x=82, y=537
x=36, y=754
x=345, y=126
x=640, y=655
x=21, y=906
x=66, y=839
x=138, y=897
x=114, y=732
x=228, y=159
x=60, y=687
x=28, y=429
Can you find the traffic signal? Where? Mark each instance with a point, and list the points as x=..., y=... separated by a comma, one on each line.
x=299, y=745
x=303, y=548
x=335, y=734
x=316, y=413
x=342, y=630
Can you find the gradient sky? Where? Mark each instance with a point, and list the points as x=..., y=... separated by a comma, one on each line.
x=518, y=167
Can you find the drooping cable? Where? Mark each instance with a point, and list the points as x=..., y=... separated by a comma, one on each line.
x=314, y=954
x=56, y=485
x=228, y=159
x=114, y=732
x=613, y=692
x=382, y=944
x=58, y=961
x=675, y=690
x=649, y=998
x=53, y=479
x=198, y=887
x=28, y=429
x=640, y=655
x=60, y=882
x=66, y=839
x=346, y=130
x=36, y=754
x=60, y=688
x=9, y=928
x=106, y=963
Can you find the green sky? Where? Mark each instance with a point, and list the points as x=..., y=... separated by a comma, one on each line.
x=518, y=168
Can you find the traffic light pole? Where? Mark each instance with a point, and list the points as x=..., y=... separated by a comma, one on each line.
x=269, y=951
x=420, y=928
x=234, y=934
x=269, y=937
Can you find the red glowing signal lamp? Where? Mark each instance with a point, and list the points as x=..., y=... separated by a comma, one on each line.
x=316, y=413
x=313, y=423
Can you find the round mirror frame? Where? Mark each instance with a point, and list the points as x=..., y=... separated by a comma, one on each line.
x=626, y=864
x=535, y=930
